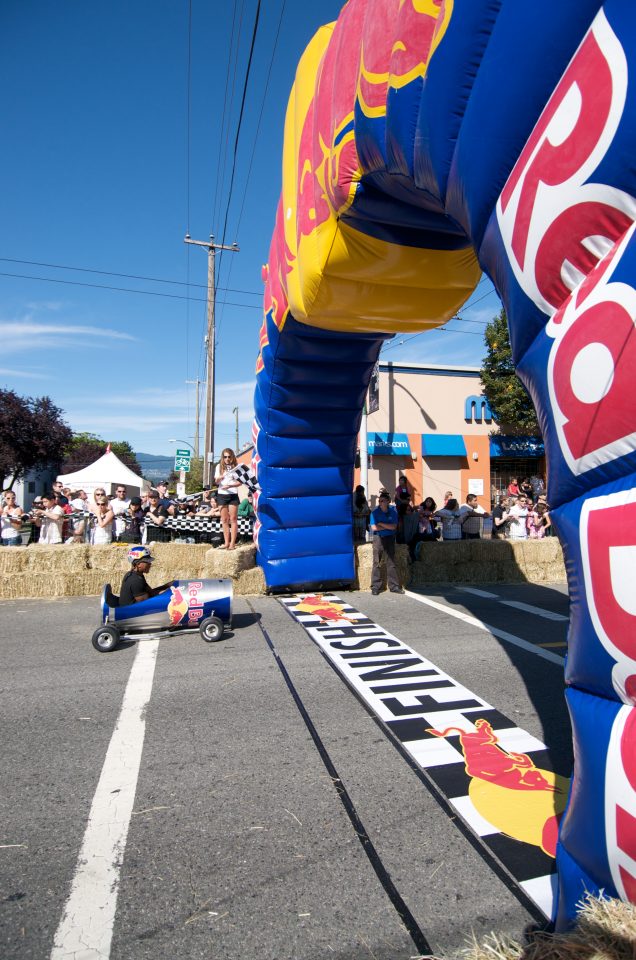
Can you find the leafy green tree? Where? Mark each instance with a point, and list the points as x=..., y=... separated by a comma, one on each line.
x=84, y=448
x=509, y=401
x=33, y=435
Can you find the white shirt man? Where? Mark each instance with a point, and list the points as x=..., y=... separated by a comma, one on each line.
x=471, y=516
x=518, y=529
x=119, y=504
x=50, y=520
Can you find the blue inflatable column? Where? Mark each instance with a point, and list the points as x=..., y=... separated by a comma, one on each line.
x=308, y=401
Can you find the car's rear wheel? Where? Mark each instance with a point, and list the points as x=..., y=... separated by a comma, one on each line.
x=211, y=629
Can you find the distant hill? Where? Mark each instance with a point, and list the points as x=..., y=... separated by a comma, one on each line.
x=155, y=467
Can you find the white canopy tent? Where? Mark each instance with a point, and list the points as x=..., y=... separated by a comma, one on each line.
x=107, y=472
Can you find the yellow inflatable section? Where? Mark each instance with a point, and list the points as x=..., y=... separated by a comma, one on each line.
x=337, y=275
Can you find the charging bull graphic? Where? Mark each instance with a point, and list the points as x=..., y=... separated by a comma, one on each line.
x=325, y=610
x=427, y=141
x=177, y=608
x=508, y=790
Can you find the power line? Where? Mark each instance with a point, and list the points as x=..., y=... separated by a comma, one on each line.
x=145, y=293
x=127, y=276
x=239, y=124
x=223, y=144
x=253, y=153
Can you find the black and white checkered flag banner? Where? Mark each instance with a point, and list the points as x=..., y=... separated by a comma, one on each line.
x=246, y=476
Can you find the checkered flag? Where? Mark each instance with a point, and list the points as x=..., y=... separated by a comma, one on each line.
x=246, y=476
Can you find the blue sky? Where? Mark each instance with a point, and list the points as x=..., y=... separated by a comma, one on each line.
x=106, y=165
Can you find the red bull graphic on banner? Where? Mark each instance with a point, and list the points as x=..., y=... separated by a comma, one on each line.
x=497, y=778
x=495, y=772
x=427, y=141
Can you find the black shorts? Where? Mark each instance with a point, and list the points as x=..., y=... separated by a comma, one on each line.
x=226, y=499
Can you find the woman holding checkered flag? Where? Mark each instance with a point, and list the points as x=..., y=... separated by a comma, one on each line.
x=227, y=497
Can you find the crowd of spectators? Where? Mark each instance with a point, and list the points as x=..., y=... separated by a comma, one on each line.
x=522, y=513
x=65, y=516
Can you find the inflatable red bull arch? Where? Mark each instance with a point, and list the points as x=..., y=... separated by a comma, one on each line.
x=427, y=141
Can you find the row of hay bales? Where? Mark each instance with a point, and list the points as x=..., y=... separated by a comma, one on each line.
x=490, y=561
x=79, y=570
x=76, y=570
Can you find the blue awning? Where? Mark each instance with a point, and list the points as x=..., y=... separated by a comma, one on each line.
x=388, y=445
x=443, y=445
x=519, y=448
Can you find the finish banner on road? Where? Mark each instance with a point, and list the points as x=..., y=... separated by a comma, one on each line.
x=497, y=777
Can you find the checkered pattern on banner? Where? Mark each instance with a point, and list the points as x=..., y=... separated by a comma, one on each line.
x=202, y=525
x=414, y=697
x=246, y=476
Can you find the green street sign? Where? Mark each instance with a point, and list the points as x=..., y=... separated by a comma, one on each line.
x=182, y=460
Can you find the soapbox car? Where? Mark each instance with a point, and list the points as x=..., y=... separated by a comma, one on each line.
x=187, y=605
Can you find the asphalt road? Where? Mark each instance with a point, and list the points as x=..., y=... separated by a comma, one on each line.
x=239, y=844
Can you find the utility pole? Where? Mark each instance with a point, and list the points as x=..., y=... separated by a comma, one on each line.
x=197, y=383
x=235, y=411
x=208, y=440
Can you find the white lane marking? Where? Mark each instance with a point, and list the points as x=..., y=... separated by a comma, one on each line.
x=495, y=631
x=526, y=607
x=86, y=928
x=537, y=611
x=478, y=593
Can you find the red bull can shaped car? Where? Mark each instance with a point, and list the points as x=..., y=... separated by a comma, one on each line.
x=185, y=605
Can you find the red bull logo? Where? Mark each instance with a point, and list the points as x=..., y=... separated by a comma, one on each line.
x=195, y=603
x=608, y=549
x=559, y=228
x=620, y=804
x=508, y=790
x=326, y=610
x=177, y=607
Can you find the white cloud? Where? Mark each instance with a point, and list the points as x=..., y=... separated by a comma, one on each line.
x=26, y=334
x=155, y=410
x=53, y=305
x=5, y=372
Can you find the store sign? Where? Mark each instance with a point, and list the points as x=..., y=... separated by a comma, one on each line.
x=477, y=410
x=388, y=445
x=519, y=447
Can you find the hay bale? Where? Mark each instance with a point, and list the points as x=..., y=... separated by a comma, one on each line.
x=605, y=930
x=364, y=565
x=38, y=559
x=181, y=561
x=250, y=583
x=229, y=563
x=489, y=561
x=24, y=585
x=12, y=560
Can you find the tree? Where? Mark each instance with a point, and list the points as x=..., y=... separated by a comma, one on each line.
x=509, y=401
x=84, y=448
x=33, y=435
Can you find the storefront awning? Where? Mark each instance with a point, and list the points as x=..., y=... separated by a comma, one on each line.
x=516, y=448
x=388, y=445
x=443, y=445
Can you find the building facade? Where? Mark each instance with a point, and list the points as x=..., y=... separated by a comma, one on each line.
x=435, y=426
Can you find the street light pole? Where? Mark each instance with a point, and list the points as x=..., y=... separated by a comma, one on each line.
x=235, y=411
x=197, y=383
x=208, y=439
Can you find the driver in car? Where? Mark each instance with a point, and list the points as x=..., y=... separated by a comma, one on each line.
x=134, y=586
